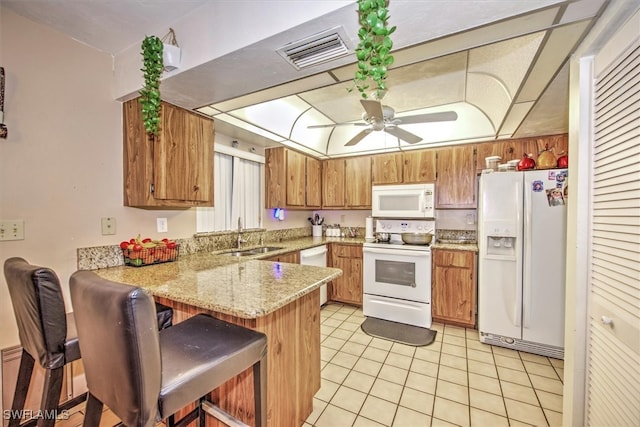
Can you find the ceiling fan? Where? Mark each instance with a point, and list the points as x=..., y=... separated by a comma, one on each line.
x=381, y=117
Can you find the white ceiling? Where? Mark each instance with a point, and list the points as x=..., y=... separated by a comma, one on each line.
x=501, y=65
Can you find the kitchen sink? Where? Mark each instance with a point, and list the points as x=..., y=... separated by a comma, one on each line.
x=254, y=251
x=239, y=253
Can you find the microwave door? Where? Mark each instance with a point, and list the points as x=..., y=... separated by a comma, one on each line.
x=402, y=205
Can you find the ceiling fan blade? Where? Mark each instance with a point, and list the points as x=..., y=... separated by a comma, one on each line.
x=444, y=116
x=407, y=137
x=336, y=124
x=358, y=137
x=373, y=109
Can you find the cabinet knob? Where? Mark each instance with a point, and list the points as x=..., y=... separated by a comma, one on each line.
x=196, y=188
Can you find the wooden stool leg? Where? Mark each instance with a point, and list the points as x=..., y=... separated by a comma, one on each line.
x=50, y=396
x=92, y=412
x=22, y=388
x=260, y=391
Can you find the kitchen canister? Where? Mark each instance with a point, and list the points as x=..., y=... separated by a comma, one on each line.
x=316, y=231
x=368, y=228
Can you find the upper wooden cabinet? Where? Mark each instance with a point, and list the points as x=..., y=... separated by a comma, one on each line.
x=346, y=183
x=292, y=179
x=172, y=170
x=409, y=167
x=453, y=291
x=456, y=178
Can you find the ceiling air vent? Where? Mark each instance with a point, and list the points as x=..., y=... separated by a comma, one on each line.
x=322, y=47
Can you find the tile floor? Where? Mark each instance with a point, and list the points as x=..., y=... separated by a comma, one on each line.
x=455, y=381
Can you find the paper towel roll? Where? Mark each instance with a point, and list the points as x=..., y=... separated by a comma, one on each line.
x=368, y=228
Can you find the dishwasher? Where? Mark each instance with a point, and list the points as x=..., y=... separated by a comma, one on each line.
x=316, y=256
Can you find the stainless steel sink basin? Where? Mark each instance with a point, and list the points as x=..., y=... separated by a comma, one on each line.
x=238, y=253
x=264, y=249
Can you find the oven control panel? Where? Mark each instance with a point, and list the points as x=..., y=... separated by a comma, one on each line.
x=405, y=226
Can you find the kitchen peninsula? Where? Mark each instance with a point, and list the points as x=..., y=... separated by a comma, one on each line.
x=279, y=299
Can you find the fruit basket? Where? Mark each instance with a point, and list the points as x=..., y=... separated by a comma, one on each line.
x=150, y=256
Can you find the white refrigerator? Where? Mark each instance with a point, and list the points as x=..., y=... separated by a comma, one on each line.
x=522, y=222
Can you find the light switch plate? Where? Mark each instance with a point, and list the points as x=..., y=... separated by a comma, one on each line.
x=162, y=225
x=12, y=229
x=108, y=226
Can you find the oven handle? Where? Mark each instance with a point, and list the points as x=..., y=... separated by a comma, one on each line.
x=382, y=251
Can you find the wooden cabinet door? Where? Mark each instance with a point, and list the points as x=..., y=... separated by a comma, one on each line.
x=175, y=168
x=358, y=182
x=333, y=183
x=314, y=183
x=348, y=287
x=453, y=291
x=419, y=166
x=274, y=178
x=456, y=178
x=290, y=257
x=386, y=169
x=296, y=172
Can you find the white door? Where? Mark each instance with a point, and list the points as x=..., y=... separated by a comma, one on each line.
x=545, y=228
x=500, y=254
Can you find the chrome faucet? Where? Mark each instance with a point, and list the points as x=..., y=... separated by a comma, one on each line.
x=240, y=239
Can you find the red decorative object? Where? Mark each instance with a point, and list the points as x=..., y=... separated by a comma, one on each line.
x=526, y=163
x=563, y=161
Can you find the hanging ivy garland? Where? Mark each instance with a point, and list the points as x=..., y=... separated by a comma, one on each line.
x=373, y=51
x=152, y=69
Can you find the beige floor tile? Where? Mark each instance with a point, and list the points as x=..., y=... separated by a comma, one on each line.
x=345, y=360
x=560, y=372
x=519, y=392
x=453, y=361
x=455, y=340
x=369, y=367
x=327, y=390
x=436, y=422
x=366, y=422
x=486, y=369
x=424, y=367
x=109, y=419
x=405, y=350
x=487, y=402
x=481, y=418
x=349, y=399
x=341, y=334
x=511, y=375
x=348, y=309
x=451, y=391
x=406, y=417
x=376, y=354
x=421, y=382
x=550, y=400
x=386, y=390
x=333, y=416
x=359, y=381
x=417, y=400
x=486, y=384
x=516, y=423
x=425, y=353
x=393, y=374
x=558, y=363
x=438, y=327
x=553, y=418
x=452, y=412
x=327, y=353
x=398, y=360
x=379, y=410
x=332, y=322
x=455, y=350
x=326, y=330
x=381, y=344
x=333, y=342
x=480, y=356
x=530, y=357
x=72, y=420
x=360, y=338
x=471, y=334
x=454, y=330
x=508, y=362
x=542, y=370
x=453, y=375
x=330, y=308
x=323, y=364
x=546, y=384
x=477, y=345
x=340, y=316
x=334, y=373
x=524, y=412
x=318, y=407
x=507, y=352
x=435, y=346
x=353, y=348
x=350, y=326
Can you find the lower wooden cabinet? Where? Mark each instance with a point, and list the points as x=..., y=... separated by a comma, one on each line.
x=453, y=289
x=290, y=257
x=348, y=287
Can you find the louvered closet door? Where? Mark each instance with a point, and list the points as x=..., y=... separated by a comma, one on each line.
x=613, y=394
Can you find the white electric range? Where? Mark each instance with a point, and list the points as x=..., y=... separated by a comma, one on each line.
x=397, y=276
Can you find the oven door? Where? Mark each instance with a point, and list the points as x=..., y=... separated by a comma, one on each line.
x=397, y=273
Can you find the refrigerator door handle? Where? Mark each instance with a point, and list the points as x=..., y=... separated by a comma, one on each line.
x=517, y=309
x=526, y=273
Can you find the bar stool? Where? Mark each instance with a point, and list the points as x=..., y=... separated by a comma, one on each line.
x=47, y=335
x=145, y=376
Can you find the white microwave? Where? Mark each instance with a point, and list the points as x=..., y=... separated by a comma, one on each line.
x=403, y=201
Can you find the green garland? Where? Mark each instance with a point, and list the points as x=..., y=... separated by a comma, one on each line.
x=373, y=51
x=152, y=69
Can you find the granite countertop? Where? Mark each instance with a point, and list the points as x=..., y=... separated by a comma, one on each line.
x=456, y=246
x=245, y=286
